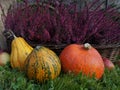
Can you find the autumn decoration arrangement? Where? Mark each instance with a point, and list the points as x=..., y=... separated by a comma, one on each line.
x=59, y=23
x=42, y=64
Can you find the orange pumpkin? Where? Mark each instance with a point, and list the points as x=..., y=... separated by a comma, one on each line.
x=82, y=58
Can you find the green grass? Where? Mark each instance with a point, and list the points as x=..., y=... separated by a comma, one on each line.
x=11, y=79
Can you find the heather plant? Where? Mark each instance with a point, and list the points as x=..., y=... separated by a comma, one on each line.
x=54, y=22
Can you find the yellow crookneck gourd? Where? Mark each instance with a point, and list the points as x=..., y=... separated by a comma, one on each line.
x=20, y=49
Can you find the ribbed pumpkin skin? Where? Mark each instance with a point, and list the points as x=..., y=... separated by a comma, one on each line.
x=75, y=58
x=20, y=49
x=42, y=64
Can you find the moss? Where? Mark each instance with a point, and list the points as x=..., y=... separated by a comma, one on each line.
x=12, y=79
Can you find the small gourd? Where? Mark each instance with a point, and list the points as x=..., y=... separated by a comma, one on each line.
x=77, y=58
x=20, y=49
x=42, y=64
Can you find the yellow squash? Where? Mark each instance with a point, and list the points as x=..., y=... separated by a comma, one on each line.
x=20, y=49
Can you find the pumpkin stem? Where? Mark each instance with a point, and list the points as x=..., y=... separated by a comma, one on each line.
x=87, y=46
x=37, y=47
x=12, y=33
